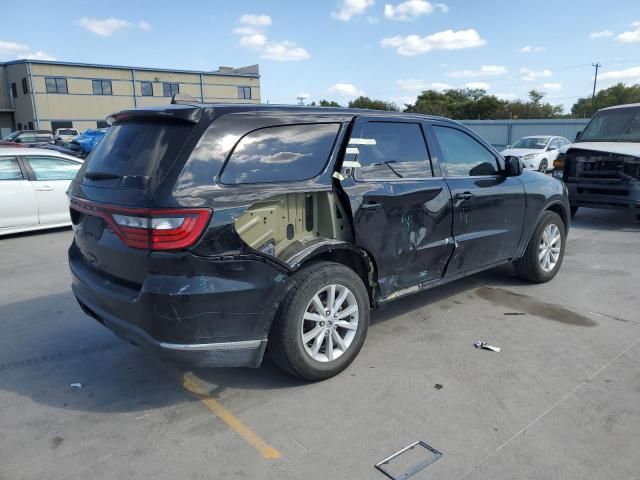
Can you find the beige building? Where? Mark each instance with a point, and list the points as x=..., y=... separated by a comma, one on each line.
x=49, y=95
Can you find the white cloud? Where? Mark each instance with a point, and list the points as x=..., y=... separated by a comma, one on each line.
x=106, y=27
x=480, y=85
x=632, y=36
x=144, y=25
x=411, y=9
x=484, y=71
x=533, y=75
x=550, y=86
x=252, y=35
x=629, y=75
x=284, y=52
x=344, y=89
x=416, y=85
x=14, y=51
x=601, y=34
x=530, y=49
x=446, y=40
x=255, y=40
x=255, y=20
x=347, y=9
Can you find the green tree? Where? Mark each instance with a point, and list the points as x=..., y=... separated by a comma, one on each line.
x=618, y=94
x=366, y=102
x=329, y=103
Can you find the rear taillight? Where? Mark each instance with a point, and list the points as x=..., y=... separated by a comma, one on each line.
x=150, y=228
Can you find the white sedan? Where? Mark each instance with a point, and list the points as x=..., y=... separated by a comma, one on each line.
x=536, y=152
x=33, y=189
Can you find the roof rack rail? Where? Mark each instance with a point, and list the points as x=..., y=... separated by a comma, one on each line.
x=183, y=98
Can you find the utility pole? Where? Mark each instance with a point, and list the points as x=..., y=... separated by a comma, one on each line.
x=595, y=80
x=300, y=100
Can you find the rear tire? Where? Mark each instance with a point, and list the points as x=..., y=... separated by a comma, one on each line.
x=543, y=257
x=574, y=210
x=333, y=340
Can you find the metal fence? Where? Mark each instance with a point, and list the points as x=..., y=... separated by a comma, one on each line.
x=501, y=133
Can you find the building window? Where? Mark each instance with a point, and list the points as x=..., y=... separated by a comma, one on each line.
x=147, y=89
x=25, y=86
x=169, y=89
x=19, y=126
x=244, y=93
x=101, y=87
x=14, y=90
x=56, y=85
x=58, y=124
x=30, y=125
x=102, y=124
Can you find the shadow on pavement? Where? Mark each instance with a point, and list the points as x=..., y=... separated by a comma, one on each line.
x=594, y=219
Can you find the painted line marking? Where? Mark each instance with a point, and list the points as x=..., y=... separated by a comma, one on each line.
x=194, y=385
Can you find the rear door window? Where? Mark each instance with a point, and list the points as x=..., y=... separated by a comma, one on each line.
x=9, y=169
x=281, y=154
x=138, y=148
x=388, y=151
x=463, y=155
x=49, y=168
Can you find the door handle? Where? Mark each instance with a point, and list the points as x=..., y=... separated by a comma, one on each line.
x=370, y=205
x=464, y=195
x=44, y=188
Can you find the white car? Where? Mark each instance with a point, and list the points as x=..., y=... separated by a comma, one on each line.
x=64, y=135
x=536, y=152
x=33, y=189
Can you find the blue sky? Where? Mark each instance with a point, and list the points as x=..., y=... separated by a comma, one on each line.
x=336, y=49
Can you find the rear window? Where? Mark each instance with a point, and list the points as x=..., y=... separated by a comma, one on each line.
x=138, y=148
x=281, y=154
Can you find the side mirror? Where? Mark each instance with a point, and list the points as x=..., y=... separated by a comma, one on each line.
x=512, y=166
x=578, y=135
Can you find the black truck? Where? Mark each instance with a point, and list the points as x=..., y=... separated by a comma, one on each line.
x=205, y=233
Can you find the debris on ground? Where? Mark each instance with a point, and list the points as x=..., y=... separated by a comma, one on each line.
x=514, y=313
x=438, y=386
x=75, y=385
x=486, y=346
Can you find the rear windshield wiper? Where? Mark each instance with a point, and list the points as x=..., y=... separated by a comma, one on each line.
x=101, y=175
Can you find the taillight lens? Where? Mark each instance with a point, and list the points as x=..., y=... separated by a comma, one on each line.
x=149, y=228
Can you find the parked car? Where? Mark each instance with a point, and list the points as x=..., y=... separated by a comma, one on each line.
x=203, y=232
x=70, y=149
x=33, y=185
x=30, y=137
x=11, y=144
x=64, y=135
x=602, y=167
x=87, y=141
x=536, y=152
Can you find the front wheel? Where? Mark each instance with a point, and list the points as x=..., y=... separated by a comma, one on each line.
x=543, y=166
x=543, y=256
x=322, y=323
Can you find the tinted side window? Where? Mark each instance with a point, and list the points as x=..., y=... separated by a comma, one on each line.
x=463, y=155
x=389, y=150
x=9, y=169
x=281, y=154
x=49, y=168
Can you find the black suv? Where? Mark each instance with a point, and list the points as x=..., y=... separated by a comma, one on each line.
x=206, y=233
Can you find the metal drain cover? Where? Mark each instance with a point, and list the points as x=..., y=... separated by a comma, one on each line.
x=408, y=461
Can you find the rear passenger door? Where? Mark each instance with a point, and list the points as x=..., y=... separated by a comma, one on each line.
x=18, y=207
x=488, y=207
x=51, y=178
x=401, y=206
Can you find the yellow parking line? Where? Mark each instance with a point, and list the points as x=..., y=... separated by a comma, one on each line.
x=193, y=384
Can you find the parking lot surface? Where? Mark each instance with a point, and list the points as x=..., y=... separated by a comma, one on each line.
x=561, y=400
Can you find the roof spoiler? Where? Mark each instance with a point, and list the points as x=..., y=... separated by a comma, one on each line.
x=176, y=112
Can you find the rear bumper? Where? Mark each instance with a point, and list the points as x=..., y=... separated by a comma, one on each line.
x=244, y=353
x=616, y=196
x=217, y=317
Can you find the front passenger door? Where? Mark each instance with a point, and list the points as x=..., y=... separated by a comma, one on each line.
x=488, y=207
x=18, y=206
